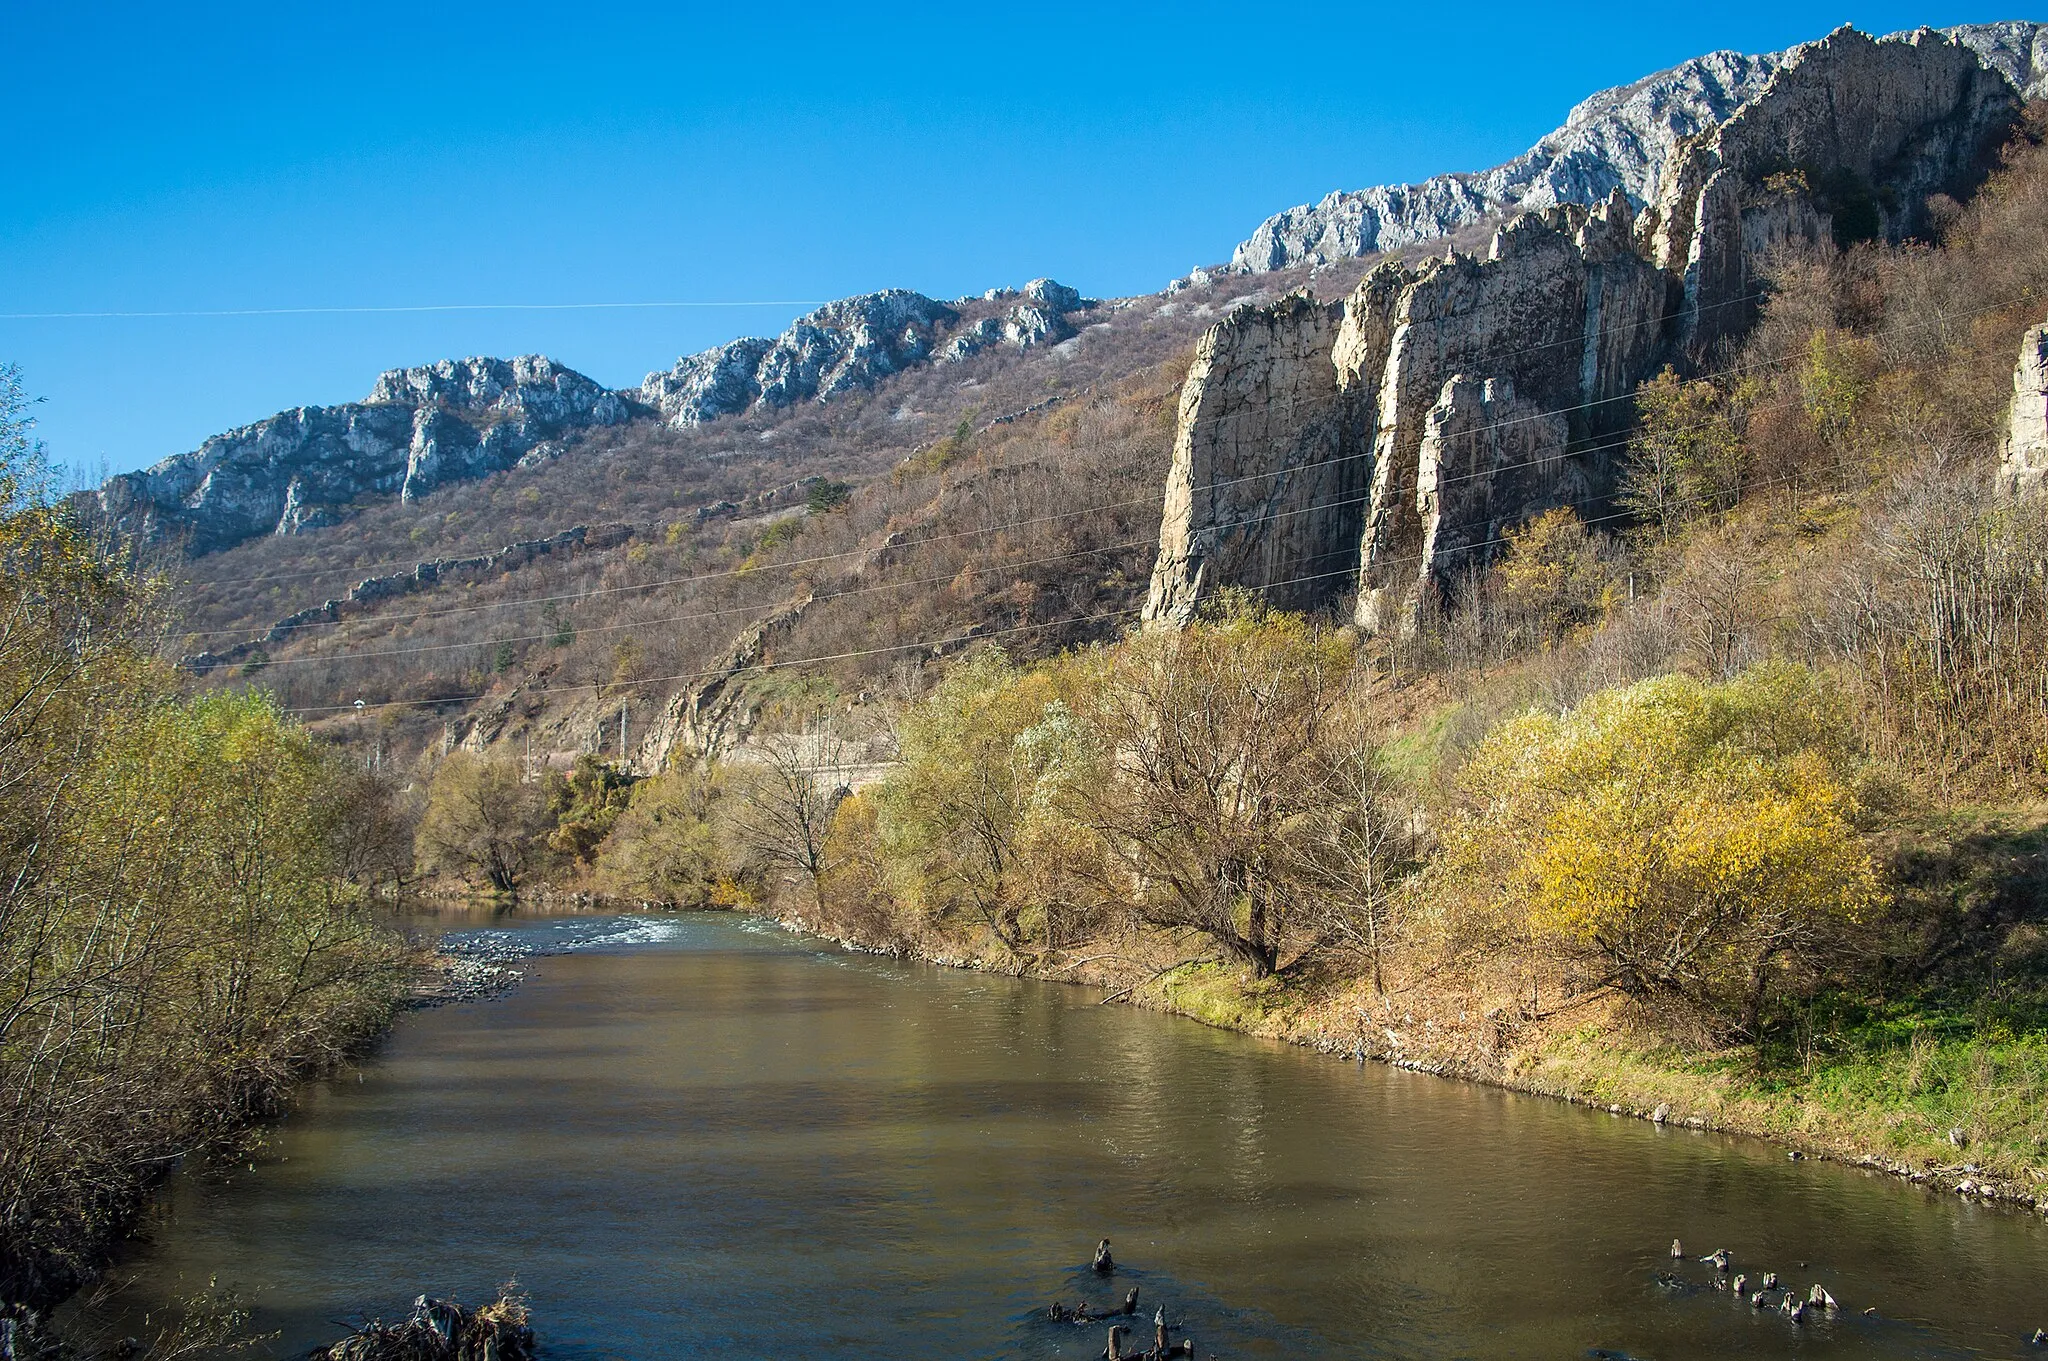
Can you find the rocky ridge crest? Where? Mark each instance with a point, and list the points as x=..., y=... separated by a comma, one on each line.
x=1623, y=138
x=851, y=344
x=418, y=428
x=461, y=419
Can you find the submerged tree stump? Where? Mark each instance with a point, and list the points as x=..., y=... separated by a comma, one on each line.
x=441, y=1330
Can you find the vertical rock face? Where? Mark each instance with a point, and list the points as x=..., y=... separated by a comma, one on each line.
x=1852, y=130
x=1390, y=448
x=1260, y=492
x=1500, y=393
x=1472, y=394
x=304, y=468
x=2023, y=463
x=1489, y=460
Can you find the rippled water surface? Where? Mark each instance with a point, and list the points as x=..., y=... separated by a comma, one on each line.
x=696, y=1136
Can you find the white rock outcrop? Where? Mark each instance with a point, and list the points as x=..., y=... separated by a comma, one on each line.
x=849, y=345
x=306, y=467
x=2016, y=48
x=842, y=346
x=2023, y=458
x=1467, y=395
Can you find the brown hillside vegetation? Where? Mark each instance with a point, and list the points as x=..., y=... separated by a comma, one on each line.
x=1011, y=492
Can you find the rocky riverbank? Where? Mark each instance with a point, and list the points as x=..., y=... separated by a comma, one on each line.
x=443, y=977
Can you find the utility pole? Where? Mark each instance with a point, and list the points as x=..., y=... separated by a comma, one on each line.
x=622, y=734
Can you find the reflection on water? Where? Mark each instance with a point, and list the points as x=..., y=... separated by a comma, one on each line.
x=697, y=1136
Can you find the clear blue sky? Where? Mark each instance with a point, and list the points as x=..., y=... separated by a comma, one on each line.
x=204, y=157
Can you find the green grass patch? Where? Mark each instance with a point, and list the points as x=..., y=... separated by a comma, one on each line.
x=1896, y=1085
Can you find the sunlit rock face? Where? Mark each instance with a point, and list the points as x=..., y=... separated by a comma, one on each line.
x=843, y=345
x=1851, y=135
x=1387, y=447
x=851, y=345
x=309, y=466
x=1258, y=492
x=1626, y=138
x=2023, y=461
x=1470, y=394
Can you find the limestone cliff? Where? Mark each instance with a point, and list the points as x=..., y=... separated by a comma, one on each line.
x=1851, y=134
x=1392, y=447
x=2023, y=459
x=1500, y=394
x=1259, y=493
x=714, y=715
x=303, y=468
x=1467, y=395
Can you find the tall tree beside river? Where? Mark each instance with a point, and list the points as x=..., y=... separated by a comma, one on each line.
x=176, y=937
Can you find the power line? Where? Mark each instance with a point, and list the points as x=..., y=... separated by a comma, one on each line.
x=1278, y=472
x=1499, y=355
x=947, y=641
x=1259, y=519
x=1210, y=487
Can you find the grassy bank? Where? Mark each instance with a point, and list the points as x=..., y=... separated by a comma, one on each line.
x=1950, y=1098
x=1953, y=1099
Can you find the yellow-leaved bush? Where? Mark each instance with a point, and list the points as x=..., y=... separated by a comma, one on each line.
x=1689, y=842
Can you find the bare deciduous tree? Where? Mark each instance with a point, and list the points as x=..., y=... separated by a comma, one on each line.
x=784, y=803
x=1215, y=737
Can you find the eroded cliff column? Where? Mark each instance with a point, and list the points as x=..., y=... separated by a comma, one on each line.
x=1263, y=492
x=1516, y=321
x=2023, y=457
x=1849, y=137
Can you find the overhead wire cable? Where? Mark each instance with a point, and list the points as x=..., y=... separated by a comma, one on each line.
x=921, y=644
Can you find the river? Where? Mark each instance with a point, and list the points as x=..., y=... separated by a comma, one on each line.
x=699, y=1136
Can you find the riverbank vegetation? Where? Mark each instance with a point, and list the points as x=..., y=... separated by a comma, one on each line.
x=1729, y=800
x=1730, y=796
x=182, y=930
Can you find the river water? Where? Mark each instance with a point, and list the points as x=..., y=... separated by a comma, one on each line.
x=700, y=1136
